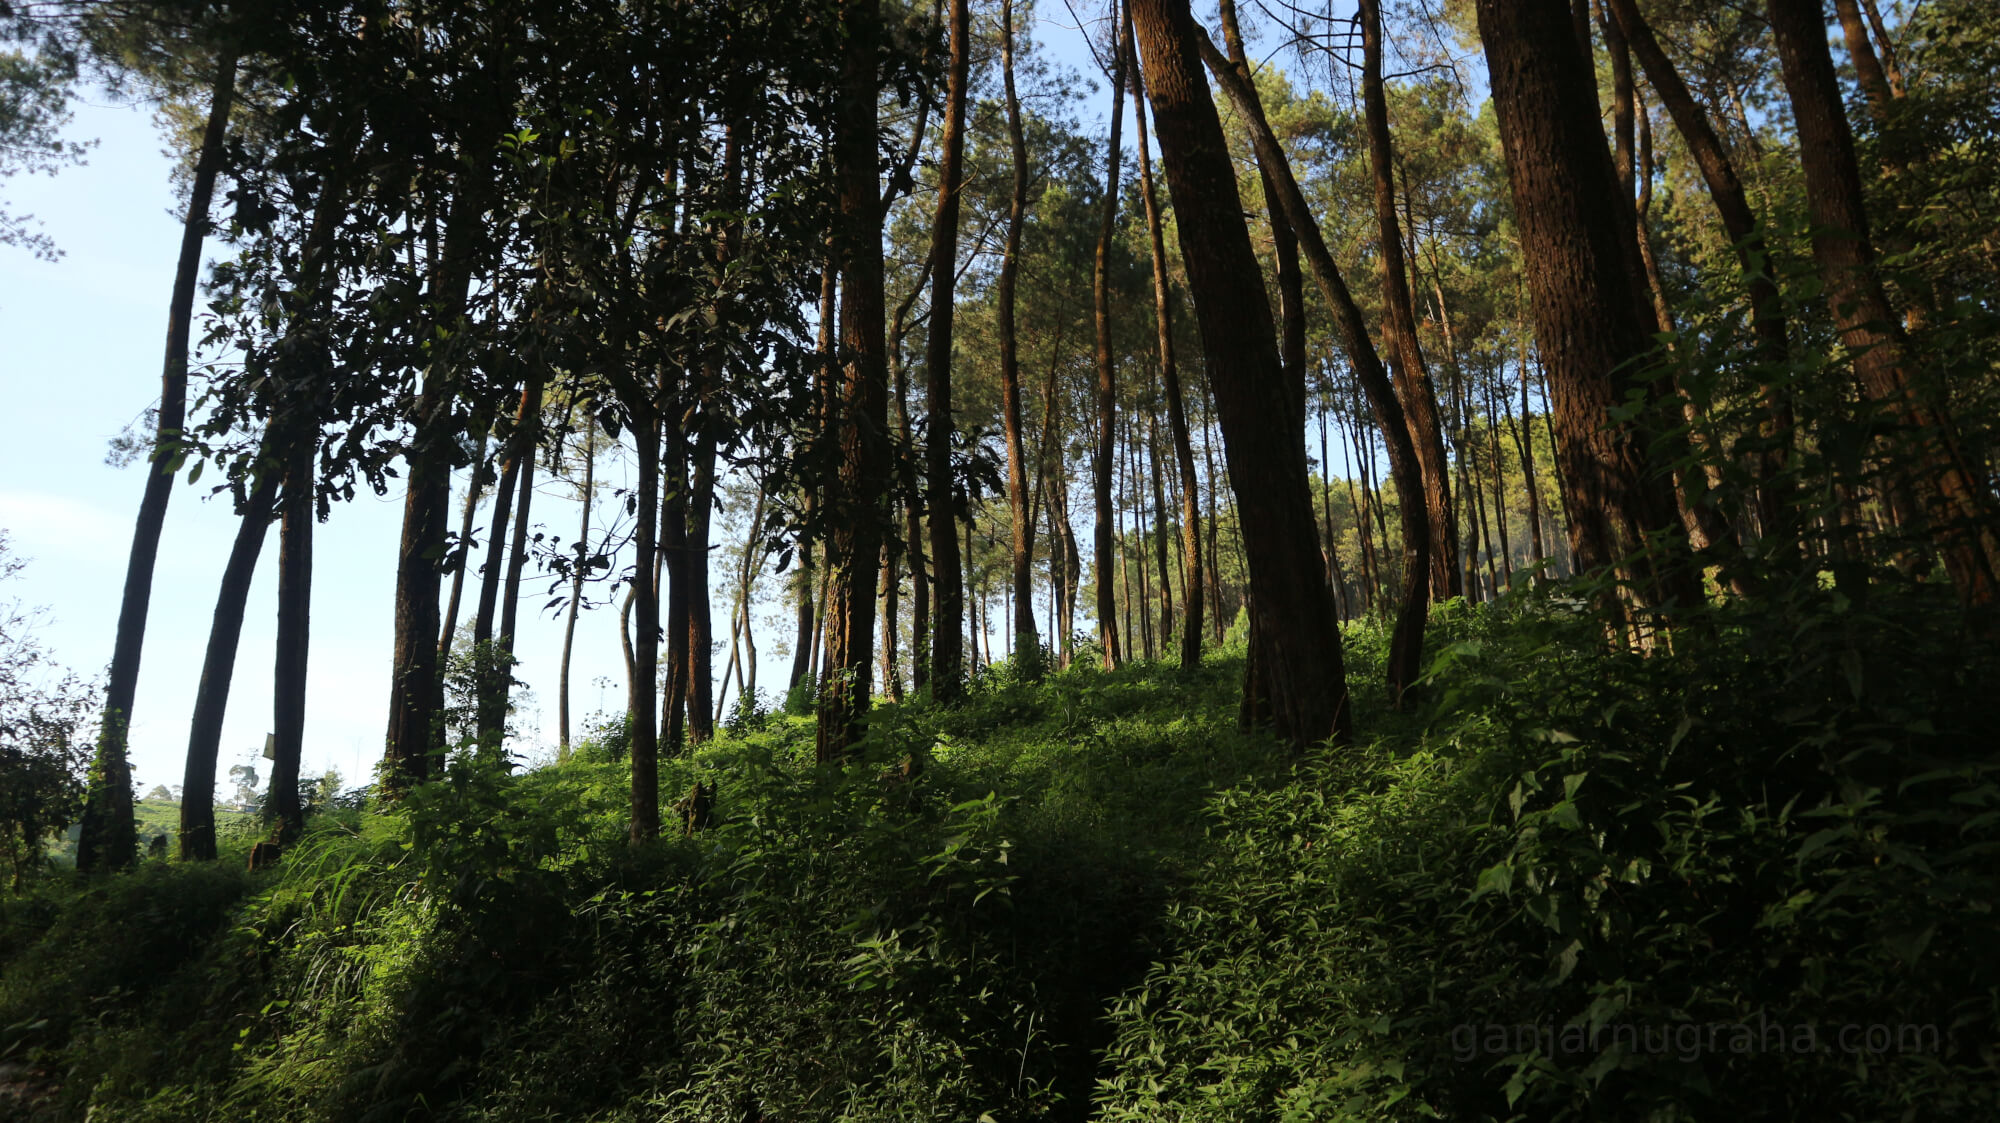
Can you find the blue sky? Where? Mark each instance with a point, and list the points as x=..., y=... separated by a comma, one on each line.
x=81, y=361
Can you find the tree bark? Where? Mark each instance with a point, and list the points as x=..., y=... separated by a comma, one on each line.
x=460, y=556
x=1170, y=386
x=576, y=590
x=108, y=839
x=218, y=667
x=1104, y=543
x=1589, y=313
x=642, y=688
x=1027, y=645
x=288, y=680
x=1413, y=380
x=862, y=419
x=700, y=609
x=946, y=669
x=1767, y=310
x=674, y=622
x=1931, y=491
x=1407, y=640
x=1303, y=676
x=517, y=559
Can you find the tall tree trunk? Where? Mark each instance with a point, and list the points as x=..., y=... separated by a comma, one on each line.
x=862, y=418
x=1160, y=530
x=517, y=560
x=108, y=839
x=946, y=669
x=1104, y=543
x=1931, y=490
x=218, y=666
x=1868, y=71
x=700, y=610
x=576, y=588
x=1413, y=380
x=913, y=531
x=642, y=688
x=1027, y=645
x=1303, y=677
x=416, y=698
x=1407, y=640
x=1524, y=437
x=475, y=484
x=489, y=675
x=1170, y=387
x=674, y=504
x=1767, y=310
x=1589, y=312
x=892, y=675
x=1499, y=486
x=288, y=680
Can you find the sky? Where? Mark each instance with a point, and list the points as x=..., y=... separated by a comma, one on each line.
x=81, y=344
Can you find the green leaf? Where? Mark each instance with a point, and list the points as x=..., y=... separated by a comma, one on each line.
x=1494, y=879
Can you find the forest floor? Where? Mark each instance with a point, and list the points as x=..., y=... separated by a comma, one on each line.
x=1097, y=898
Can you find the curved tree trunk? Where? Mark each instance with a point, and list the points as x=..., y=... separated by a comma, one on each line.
x=218, y=667
x=1413, y=380
x=1303, y=676
x=108, y=839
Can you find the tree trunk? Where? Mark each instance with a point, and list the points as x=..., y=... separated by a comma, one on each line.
x=913, y=532
x=700, y=610
x=1499, y=487
x=1931, y=490
x=576, y=589
x=642, y=688
x=517, y=559
x=1104, y=543
x=1524, y=439
x=1264, y=429
x=1413, y=380
x=218, y=667
x=490, y=676
x=1868, y=73
x=1767, y=311
x=108, y=839
x=1407, y=640
x=1027, y=645
x=946, y=670
x=475, y=484
x=1588, y=309
x=288, y=680
x=1160, y=530
x=862, y=417
x=674, y=622
x=1170, y=387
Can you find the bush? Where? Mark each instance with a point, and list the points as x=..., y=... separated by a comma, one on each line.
x=1792, y=821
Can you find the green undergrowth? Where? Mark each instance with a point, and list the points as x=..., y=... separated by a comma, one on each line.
x=1093, y=897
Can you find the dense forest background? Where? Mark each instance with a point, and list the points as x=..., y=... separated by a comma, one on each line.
x=1421, y=545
